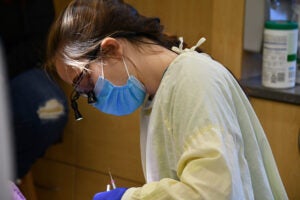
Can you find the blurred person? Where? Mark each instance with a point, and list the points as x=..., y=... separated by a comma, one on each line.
x=38, y=105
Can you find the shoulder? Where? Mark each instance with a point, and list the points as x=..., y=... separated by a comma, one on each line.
x=196, y=68
x=194, y=77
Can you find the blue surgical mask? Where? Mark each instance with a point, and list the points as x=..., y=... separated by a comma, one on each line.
x=119, y=100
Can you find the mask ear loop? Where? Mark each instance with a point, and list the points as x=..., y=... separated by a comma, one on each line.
x=102, y=71
x=101, y=62
x=126, y=67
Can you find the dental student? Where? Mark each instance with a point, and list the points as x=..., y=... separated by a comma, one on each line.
x=200, y=137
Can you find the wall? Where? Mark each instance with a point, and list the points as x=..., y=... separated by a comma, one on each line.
x=220, y=22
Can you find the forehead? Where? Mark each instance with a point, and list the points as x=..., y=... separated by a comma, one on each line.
x=66, y=73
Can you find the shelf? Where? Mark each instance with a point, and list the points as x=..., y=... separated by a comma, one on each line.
x=253, y=88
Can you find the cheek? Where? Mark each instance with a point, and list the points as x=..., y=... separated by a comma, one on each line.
x=94, y=73
x=94, y=77
x=117, y=74
x=118, y=78
x=114, y=71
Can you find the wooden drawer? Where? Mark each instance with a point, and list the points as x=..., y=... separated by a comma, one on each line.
x=64, y=150
x=53, y=180
x=59, y=181
x=281, y=123
x=109, y=142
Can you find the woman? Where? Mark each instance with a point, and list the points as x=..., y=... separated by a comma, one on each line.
x=200, y=136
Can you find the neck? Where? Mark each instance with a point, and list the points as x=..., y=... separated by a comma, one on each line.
x=151, y=65
x=155, y=65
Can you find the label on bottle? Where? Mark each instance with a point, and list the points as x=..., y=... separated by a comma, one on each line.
x=279, y=59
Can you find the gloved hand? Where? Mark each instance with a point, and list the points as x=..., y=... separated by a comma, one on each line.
x=115, y=194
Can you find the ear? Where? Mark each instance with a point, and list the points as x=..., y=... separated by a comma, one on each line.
x=111, y=46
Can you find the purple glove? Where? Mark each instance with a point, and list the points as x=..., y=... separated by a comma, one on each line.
x=16, y=194
x=115, y=194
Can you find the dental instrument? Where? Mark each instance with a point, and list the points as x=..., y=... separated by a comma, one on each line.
x=112, y=180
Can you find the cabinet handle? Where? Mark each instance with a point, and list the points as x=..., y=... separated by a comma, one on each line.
x=45, y=187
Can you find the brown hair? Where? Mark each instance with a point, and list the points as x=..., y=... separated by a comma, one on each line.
x=77, y=33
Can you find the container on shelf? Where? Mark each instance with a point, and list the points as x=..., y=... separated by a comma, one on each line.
x=280, y=54
x=296, y=17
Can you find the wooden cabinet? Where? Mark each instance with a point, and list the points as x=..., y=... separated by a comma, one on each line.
x=60, y=181
x=281, y=123
x=53, y=180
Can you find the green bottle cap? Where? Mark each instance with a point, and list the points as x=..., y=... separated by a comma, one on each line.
x=281, y=25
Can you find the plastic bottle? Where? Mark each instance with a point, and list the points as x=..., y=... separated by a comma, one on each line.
x=280, y=54
x=296, y=17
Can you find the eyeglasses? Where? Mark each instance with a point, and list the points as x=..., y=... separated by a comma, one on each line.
x=78, y=91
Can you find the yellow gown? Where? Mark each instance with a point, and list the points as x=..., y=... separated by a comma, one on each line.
x=200, y=138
